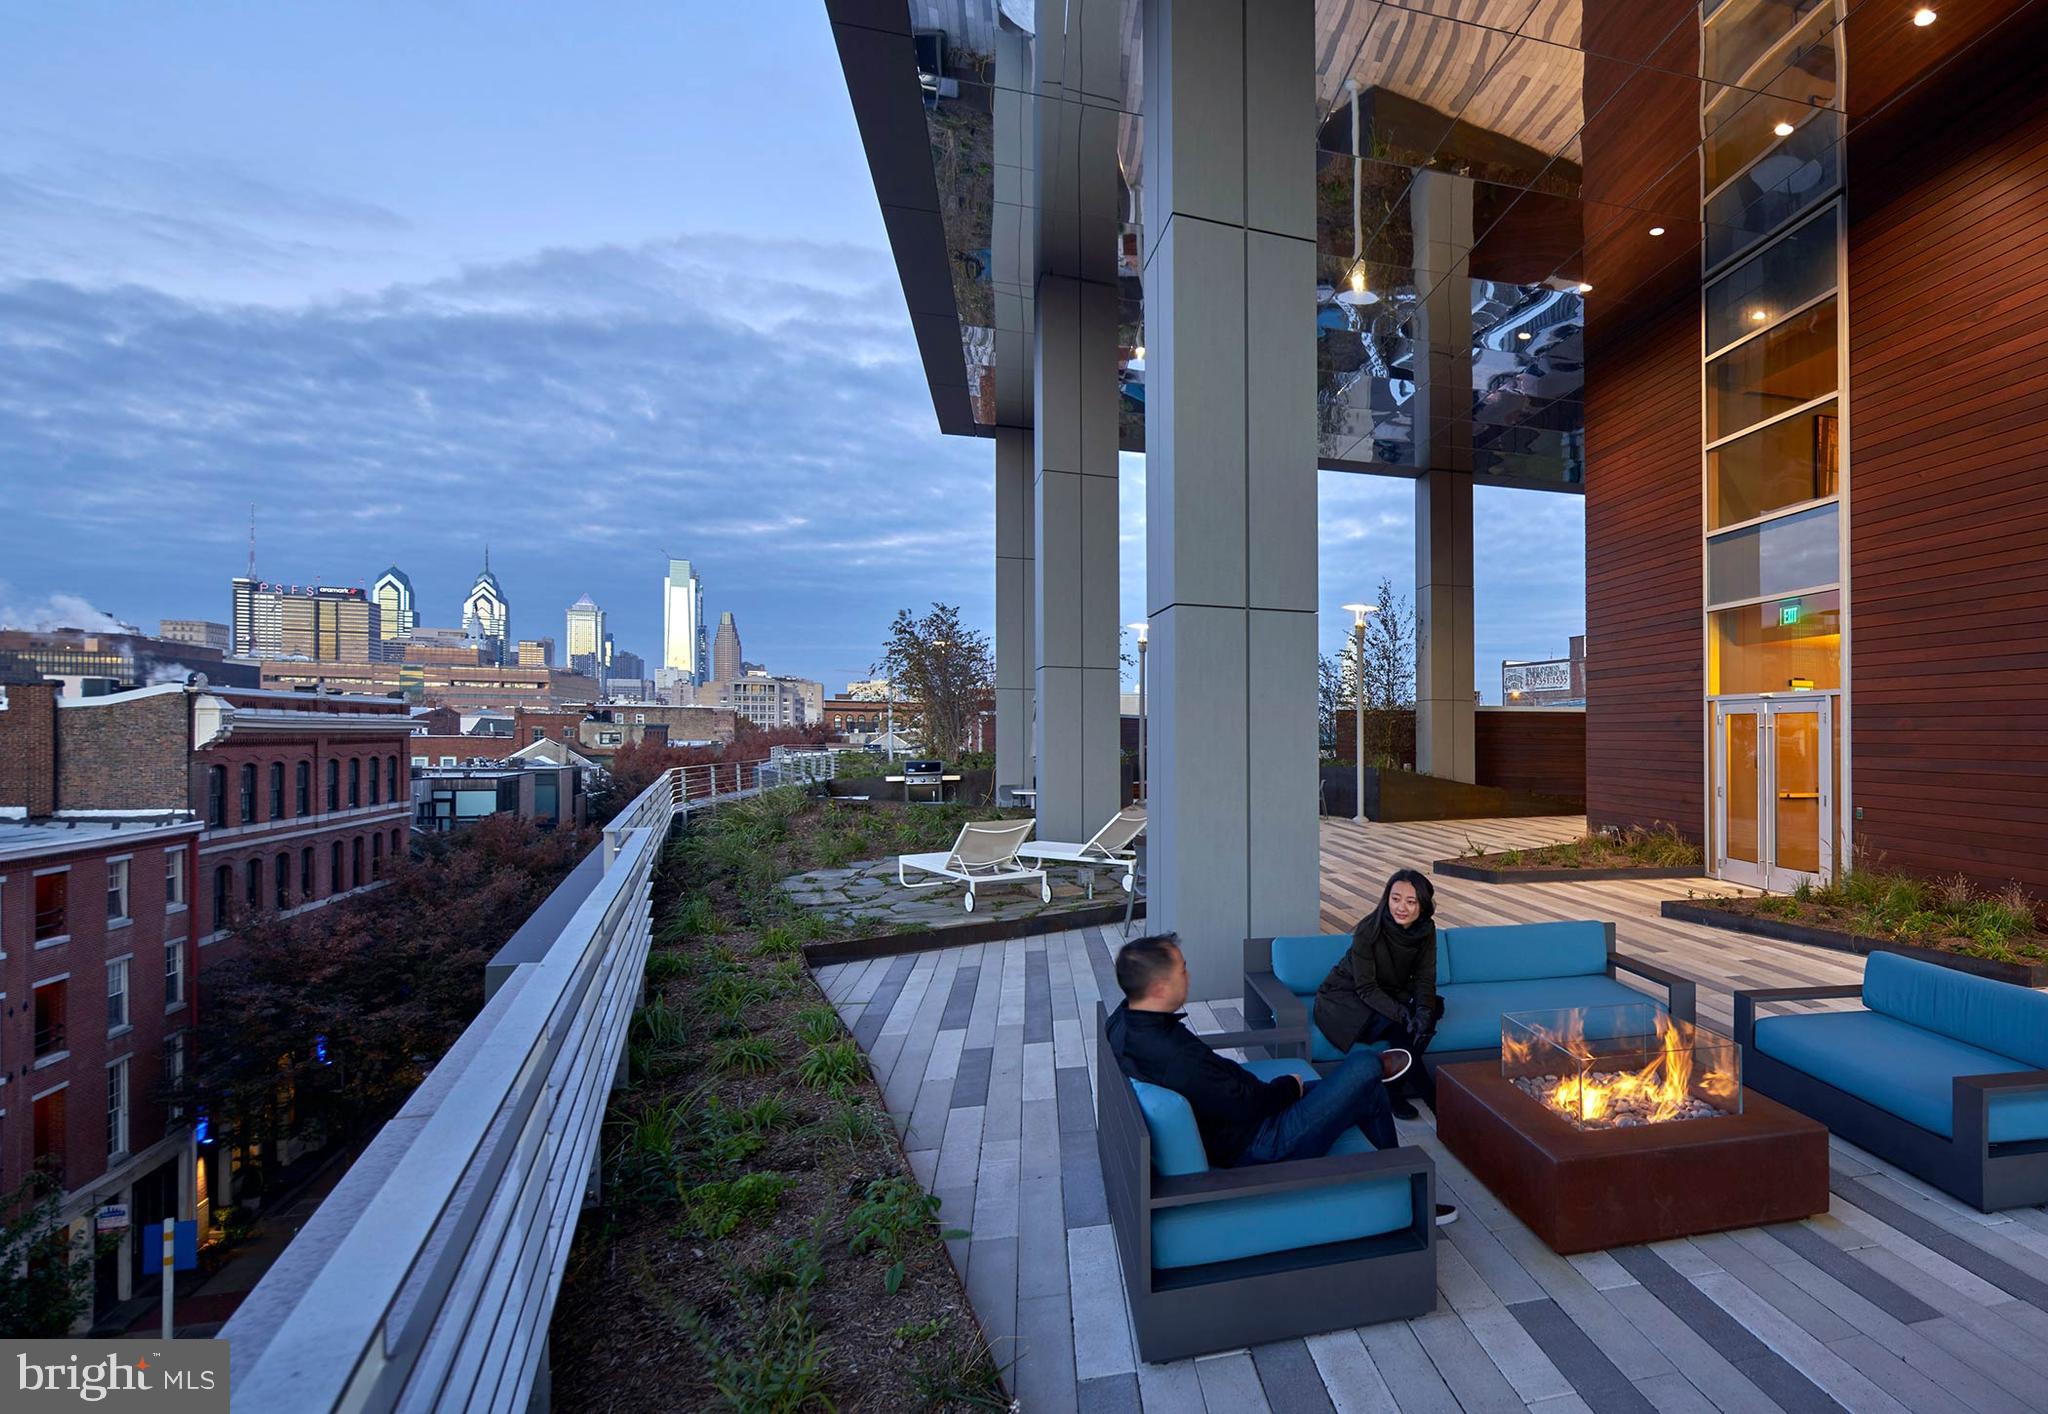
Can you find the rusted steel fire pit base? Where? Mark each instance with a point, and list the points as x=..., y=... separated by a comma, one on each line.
x=1583, y=1190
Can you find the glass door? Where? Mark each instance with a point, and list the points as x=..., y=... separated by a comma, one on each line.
x=1774, y=790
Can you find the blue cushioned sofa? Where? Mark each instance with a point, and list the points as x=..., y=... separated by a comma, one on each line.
x=1481, y=974
x=1941, y=1072
x=1214, y=1259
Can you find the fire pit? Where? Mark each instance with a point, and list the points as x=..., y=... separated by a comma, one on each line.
x=1608, y=1126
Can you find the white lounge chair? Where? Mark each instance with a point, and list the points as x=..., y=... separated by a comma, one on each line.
x=1109, y=848
x=985, y=853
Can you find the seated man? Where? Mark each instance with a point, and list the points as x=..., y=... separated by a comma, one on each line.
x=1242, y=1119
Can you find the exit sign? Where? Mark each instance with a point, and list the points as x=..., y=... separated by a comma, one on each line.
x=1788, y=615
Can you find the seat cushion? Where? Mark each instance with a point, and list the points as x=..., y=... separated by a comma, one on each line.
x=1997, y=1016
x=1472, y=1010
x=1301, y=963
x=1902, y=1069
x=1176, y=1141
x=1321, y=1048
x=1250, y=1227
x=1515, y=951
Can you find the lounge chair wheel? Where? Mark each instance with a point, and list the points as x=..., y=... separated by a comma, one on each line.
x=1045, y=891
x=970, y=901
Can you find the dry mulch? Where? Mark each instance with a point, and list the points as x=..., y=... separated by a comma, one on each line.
x=649, y=1298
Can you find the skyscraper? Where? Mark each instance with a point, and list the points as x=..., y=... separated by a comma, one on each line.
x=257, y=624
x=393, y=596
x=585, y=637
x=684, y=637
x=486, y=614
x=725, y=650
x=328, y=624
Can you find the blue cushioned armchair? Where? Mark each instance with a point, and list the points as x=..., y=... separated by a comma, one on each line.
x=1482, y=974
x=1940, y=1072
x=1219, y=1258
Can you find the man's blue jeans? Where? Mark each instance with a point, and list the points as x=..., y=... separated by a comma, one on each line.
x=1352, y=1094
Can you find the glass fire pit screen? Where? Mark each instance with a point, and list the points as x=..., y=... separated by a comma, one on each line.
x=1619, y=1067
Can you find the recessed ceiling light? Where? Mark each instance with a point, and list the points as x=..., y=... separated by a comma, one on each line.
x=1757, y=316
x=1656, y=230
x=1923, y=17
x=1584, y=288
x=1523, y=335
x=1782, y=129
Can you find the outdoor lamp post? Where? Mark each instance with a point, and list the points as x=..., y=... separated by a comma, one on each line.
x=1139, y=628
x=1358, y=613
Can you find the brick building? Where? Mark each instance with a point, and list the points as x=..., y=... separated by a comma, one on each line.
x=600, y=731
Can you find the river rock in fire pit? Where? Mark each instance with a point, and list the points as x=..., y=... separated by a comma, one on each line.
x=1617, y=1107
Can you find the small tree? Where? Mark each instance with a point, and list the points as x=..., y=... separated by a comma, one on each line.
x=47, y=1283
x=944, y=670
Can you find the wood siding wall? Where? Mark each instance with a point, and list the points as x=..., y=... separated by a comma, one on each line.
x=1644, y=677
x=1948, y=381
x=1519, y=748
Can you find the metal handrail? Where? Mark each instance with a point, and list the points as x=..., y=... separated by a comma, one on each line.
x=428, y=1277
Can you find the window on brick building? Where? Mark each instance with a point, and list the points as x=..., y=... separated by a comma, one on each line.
x=248, y=792
x=117, y=1107
x=252, y=889
x=534, y=734
x=174, y=1074
x=357, y=851
x=223, y=885
x=302, y=788
x=376, y=785
x=174, y=973
x=49, y=1130
x=53, y=915
x=355, y=782
x=117, y=994
x=217, y=796
x=117, y=892
x=52, y=1000
x=277, y=790
x=174, y=879
x=377, y=856
x=306, y=872
x=333, y=784
x=395, y=846
x=391, y=778
x=282, y=884
x=334, y=880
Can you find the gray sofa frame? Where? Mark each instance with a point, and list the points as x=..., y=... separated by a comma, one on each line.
x=1276, y=1013
x=1988, y=1176
x=1187, y=1311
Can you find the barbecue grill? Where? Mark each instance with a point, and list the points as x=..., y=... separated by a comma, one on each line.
x=924, y=775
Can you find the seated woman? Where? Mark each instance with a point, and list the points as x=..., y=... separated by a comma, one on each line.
x=1384, y=988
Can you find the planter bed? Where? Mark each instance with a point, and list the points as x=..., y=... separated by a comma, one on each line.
x=2025, y=973
x=1475, y=868
x=988, y=930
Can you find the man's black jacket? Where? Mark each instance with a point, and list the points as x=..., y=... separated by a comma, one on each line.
x=1229, y=1101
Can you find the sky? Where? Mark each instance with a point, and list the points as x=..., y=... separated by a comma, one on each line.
x=591, y=287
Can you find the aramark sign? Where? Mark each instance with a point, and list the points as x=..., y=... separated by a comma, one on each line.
x=169, y=1376
x=1553, y=676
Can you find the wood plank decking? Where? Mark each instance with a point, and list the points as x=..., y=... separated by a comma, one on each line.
x=1898, y=1299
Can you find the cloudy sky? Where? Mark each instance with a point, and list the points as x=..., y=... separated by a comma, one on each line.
x=589, y=286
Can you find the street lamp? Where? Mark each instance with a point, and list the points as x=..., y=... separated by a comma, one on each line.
x=1139, y=629
x=1358, y=613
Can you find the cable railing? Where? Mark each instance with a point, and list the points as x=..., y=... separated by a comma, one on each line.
x=427, y=1279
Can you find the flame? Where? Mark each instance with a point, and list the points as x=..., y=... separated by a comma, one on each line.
x=1664, y=1081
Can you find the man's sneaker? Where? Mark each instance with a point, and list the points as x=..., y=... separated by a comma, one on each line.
x=1445, y=1215
x=1394, y=1063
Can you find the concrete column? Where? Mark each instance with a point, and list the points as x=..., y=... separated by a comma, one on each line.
x=1440, y=208
x=1230, y=484
x=1074, y=419
x=1013, y=282
x=1016, y=594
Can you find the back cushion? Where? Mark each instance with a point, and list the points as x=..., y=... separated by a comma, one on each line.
x=1176, y=1143
x=1996, y=1016
x=1518, y=951
x=1301, y=963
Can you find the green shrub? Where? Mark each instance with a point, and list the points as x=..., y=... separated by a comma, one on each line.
x=721, y=1207
x=663, y=966
x=852, y=1124
x=661, y=1025
x=890, y=1213
x=779, y=940
x=818, y=1024
x=833, y=1064
x=750, y=1055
